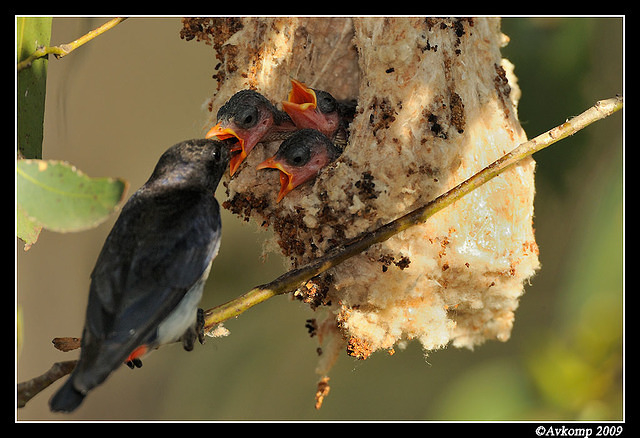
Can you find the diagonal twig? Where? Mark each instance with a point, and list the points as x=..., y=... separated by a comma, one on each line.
x=64, y=49
x=29, y=389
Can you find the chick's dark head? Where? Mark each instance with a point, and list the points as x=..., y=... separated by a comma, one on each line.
x=300, y=158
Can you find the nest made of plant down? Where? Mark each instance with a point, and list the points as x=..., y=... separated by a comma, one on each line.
x=436, y=103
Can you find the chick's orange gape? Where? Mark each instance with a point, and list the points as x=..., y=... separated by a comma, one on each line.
x=237, y=149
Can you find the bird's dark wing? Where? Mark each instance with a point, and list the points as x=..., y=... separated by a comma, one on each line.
x=159, y=247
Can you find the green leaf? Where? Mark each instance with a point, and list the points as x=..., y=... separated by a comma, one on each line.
x=57, y=196
x=28, y=229
x=32, y=81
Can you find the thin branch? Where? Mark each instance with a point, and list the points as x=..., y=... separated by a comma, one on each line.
x=28, y=390
x=64, y=49
x=291, y=280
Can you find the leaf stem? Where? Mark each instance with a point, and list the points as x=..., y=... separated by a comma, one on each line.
x=294, y=278
x=64, y=49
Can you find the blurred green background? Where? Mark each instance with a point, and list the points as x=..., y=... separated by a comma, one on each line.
x=117, y=103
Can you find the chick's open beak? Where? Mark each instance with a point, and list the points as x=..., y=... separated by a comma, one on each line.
x=290, y=178
x=223, y=133
x=286, y=180
x=302, y=105
x=302, y=96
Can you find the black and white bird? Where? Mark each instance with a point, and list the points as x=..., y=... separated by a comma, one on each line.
x=149, y=277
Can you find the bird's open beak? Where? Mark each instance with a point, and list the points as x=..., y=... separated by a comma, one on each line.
x=301, y=96
x=289, y=178
x=302, y=105
x=223, y=133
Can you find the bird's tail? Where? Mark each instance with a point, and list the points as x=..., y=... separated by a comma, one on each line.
x=67, y=399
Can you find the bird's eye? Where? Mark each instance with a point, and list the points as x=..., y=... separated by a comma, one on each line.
x=247, y=117
x=298, y=156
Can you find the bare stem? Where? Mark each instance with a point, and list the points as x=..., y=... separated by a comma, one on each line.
x=64, y=49
x=293, y=279
x=28, y=390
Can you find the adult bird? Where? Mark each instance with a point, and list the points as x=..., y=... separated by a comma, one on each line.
x=300, y=158
x=148, y=278
x=250, y=118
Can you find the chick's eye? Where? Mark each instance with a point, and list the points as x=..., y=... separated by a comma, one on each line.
x=247, y=118
x=298, y=157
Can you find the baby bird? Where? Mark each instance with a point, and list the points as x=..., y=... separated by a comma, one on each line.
x=300, y=158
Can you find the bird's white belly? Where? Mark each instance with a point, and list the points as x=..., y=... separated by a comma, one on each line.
x=184, y=316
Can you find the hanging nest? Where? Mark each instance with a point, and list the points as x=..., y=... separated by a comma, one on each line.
x=436, y=104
